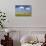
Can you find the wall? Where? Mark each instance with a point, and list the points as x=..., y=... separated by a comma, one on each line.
x=38, y=13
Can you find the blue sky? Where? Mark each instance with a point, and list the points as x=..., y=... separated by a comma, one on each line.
x=23, y=8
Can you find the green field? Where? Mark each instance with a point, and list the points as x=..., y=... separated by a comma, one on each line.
x=23, y=14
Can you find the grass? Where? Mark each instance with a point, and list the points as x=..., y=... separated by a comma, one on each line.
x=23, y=14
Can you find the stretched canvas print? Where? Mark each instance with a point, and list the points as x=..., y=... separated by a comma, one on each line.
x=23, y=10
